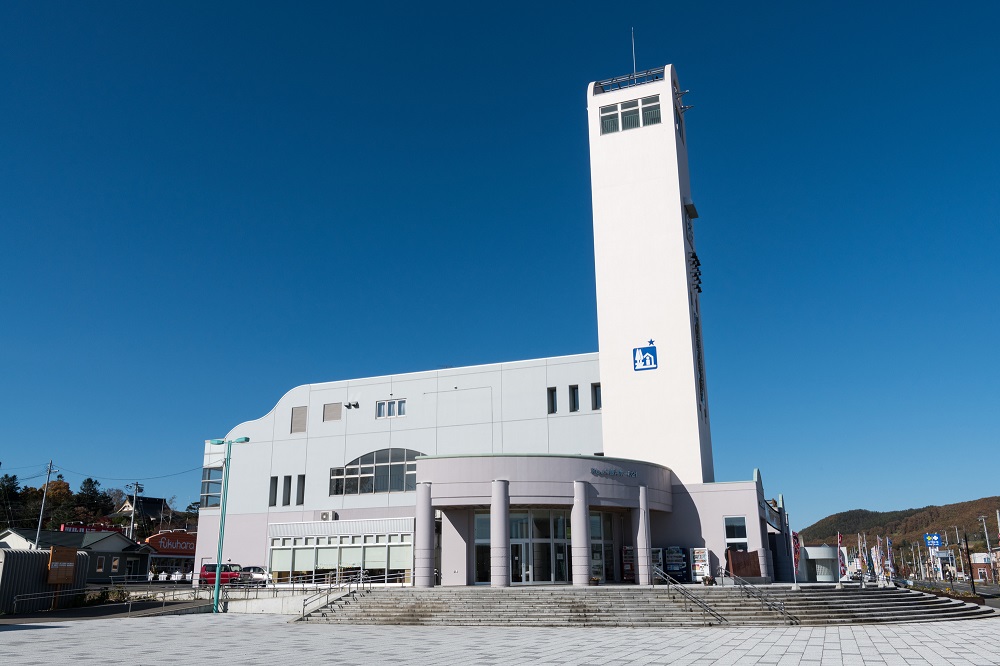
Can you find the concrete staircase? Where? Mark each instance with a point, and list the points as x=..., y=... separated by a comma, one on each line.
x=631, y=606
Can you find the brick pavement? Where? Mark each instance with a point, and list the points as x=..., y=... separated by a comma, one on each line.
x=270, y=639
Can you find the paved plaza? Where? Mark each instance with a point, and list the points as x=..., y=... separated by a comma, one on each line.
x=270, y=639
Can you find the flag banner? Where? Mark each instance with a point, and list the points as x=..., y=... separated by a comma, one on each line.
x=795, y=549
x=841, y=563
x=892, y=564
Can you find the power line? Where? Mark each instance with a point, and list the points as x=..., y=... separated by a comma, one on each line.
x=130, y=478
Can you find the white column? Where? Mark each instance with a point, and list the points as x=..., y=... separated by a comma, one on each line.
x=643, y=556
x=580, y=543
x=500, y=534
x=423, y=539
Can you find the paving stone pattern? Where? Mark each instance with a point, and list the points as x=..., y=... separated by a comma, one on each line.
x=270, y=639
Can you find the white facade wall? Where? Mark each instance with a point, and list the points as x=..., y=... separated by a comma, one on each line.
x=499, y=408
x=645, y=286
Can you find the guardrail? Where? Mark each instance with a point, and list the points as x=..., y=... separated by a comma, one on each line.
x=673, y=585
x=322, y=598
x=751, y=591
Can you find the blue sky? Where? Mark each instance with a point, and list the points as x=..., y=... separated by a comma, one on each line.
x=203, y=206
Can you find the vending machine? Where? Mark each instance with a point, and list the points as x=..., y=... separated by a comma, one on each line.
x=700, y=564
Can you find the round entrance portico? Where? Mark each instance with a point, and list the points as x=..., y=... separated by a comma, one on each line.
x=522, y=518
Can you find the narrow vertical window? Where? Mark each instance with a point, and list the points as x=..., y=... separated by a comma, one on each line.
x=552, y=400
x=298, y=419
x=401, y=407
x=609, y=119
x=595, y=395
x=574, y=398
x=332, y=411
x=300, y=490
x=630, y=115
x=272, y=497
x=651, y=110
x=286, y=491
x=380, y=410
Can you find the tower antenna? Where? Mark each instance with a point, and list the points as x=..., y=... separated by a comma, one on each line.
x=633, y=52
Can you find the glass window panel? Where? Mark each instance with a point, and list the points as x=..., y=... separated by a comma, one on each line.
x=407, y=538
x=337, y=471
x=281, y=560
x=209, y=500
x=655, y=99
x=482, y=527
x=595, y=526
x=540, y=524
x=304, y=559
x=519, y=526
x=411, y=482
x=367, y=485
x=327, y=558
x=411, y=454
x=367, y=459
x=630, y=119
x=482, y=563
x=381, y=538
x=397, y=455
x=400, y=557
x=596, y=560
x=736, y=527
x=401, y=408
x=609, y=124
x=390, y=408
x=212, y=473
x=382, y=456
x=369, y=538
x=350, y=556
x=370, y=469
x=651, y=115
x=351, y=485
x=397, y=481
x=630, y=105
x=559, y=525
x=381, y=478
x=605, y=110
x=376, y=557
x=609, y=562
x=608, y=534
x=411, y=467
x=351, y=471
x=380, y=410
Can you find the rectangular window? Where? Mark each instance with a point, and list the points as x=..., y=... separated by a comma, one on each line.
x=337, y=481
x=333, y=411
x=115, y=561
x=388, y=409
x=574, y=398
x=211, y=486
x=552, y=400
x=651, y=110
x=298, y=419
x=736, y=532
x=630, y=115
x=300, y=490
x=609, y=119
x=595, y=396
x=286, y=491
x=272, y=496
x=100, y=564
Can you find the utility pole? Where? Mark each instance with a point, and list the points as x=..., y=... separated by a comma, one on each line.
x=136, y=489
x=45, y=492
x=958, y=544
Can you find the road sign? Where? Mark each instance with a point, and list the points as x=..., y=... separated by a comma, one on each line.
x=933, y=540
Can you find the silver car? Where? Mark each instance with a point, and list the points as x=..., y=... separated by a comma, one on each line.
x=259, y=576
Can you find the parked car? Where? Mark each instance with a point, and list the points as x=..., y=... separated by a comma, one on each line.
x=258, y=576
x=232, y=574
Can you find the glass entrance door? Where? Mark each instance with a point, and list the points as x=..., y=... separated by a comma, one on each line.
x=520, y=562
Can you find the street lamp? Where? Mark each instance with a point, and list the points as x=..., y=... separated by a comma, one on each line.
x=222, y=509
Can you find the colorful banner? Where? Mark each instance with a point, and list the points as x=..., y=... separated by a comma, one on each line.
x=795, y=549
x=841, y=564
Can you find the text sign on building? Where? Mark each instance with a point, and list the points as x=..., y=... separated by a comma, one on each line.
x=62, y=561
x=174, y=543
x=933, y=540
x=644, y=358
x=627, y=473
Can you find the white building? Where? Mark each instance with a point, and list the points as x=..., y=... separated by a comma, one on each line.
x=553, y=470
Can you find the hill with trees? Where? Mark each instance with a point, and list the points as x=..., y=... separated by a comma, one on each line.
x=909, y=525
x=89, y=505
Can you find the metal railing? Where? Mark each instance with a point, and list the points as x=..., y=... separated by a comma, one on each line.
x=354, y=584
x=153, y=596
x=751, y=591
x=673, y=585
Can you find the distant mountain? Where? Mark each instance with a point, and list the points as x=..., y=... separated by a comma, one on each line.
x=909, y=525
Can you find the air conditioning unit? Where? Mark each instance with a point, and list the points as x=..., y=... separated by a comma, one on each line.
x=327, y=515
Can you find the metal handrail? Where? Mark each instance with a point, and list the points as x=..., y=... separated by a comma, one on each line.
x=343, y=587
x=751, y=591
x=674, y=584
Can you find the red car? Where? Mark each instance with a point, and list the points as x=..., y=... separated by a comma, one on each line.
x=232, y=574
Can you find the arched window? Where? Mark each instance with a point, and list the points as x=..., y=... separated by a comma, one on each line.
x=382, y=471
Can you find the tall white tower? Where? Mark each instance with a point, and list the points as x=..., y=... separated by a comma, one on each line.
x=655, y=403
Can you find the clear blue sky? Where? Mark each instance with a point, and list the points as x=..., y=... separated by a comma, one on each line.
x=203, y=205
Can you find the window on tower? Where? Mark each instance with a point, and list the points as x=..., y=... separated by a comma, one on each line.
x=630, y=115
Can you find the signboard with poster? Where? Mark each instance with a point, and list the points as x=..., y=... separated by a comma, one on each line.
x=62, y=562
